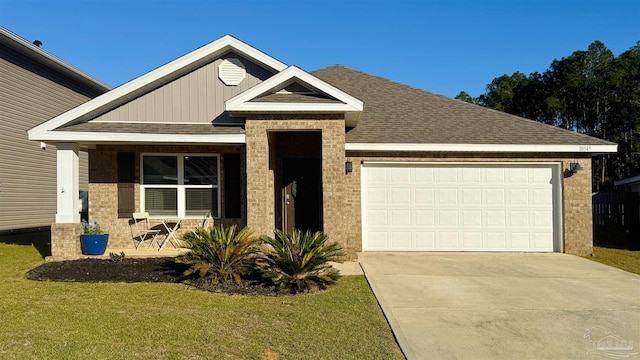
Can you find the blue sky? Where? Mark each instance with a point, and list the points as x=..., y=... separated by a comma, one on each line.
x=440, y=46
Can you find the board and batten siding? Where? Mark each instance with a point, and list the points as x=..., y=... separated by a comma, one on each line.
x=196, y=97
x=30, y=94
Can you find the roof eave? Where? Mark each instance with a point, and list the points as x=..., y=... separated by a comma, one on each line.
x=138, y=85
x=115, y=137
x=485, y=148
x=28, y=49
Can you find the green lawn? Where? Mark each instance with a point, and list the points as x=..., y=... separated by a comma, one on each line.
x=618, y=249
x=123, y=321
x=624, y=259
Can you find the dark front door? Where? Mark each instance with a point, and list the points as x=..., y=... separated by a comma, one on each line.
x=302, y=195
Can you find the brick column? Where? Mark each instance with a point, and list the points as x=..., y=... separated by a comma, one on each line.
x=578, y=214
x=65, y=241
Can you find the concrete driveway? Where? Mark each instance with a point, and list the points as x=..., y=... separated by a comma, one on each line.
x=506, y=305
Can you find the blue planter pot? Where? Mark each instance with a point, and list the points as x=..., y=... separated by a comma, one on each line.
x=94, y=244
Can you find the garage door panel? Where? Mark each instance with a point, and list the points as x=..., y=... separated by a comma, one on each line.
x=446, y=175
x=519, y=196
x=472, y=196
x=542, y=176
x=424, y=175
x=401, y=239
x=519, y=241
x=495, y=196
x=448, y=240
x=542, y=218
x=425, y=217
x=472, y=218
x=400, y=196
x=377, y=195
x=378, y=240
x=425, y=239
x=472, y=240
x=400, y=217
x=448, y=218
x=458, y=207
x=401, y=174
x=376, y=175
x=447, y=196
x=496, y=218
x=496, y=240
x=424, y=195
x=541, y=196
x=494, y=176
x=518, y=218
x=518, y=175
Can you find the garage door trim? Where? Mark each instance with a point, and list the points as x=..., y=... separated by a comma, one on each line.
x=557, y=189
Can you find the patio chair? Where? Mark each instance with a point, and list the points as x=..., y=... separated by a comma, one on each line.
x=141, y=231
x=207, y=221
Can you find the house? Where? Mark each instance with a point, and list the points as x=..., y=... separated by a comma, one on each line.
x=630, y=184
x=34, y=87
x=376, y=165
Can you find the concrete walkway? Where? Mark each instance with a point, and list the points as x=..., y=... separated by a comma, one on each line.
x=506, y=305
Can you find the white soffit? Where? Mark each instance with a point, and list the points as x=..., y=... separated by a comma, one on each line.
x=482, y=148
x=242, y=102
x=114, y=137
x=109, y=99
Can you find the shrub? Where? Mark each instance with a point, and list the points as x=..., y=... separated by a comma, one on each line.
x=220, y=253
x=299, y=261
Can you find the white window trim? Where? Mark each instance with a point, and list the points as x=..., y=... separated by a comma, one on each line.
x=180, y=186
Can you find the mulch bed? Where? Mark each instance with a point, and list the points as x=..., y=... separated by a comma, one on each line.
x=134, y=270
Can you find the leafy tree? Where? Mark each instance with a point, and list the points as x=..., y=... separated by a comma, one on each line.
x=463, y=96
x=590, y=92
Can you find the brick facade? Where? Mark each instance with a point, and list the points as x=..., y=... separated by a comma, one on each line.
x=576, y=192
x=261, y=164
x=103, y=188
x=341, y=192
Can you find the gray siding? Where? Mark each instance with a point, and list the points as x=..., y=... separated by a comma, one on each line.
x=198, y=96
x=29, y=95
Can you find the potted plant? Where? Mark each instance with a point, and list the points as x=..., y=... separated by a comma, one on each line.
x=94, y=240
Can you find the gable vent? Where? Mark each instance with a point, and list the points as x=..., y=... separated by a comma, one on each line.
x=232, y=71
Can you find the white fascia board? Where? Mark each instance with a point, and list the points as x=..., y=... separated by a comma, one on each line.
x=220, y=46
x=52, y=60
x=292, y=72
x=81, y=137
x=626, y=181
x=482, y=148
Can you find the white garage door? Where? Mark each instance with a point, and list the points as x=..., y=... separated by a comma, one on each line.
x=459, y=207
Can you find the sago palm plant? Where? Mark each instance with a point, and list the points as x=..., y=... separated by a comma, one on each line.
x=219, y=253
x=300, y=261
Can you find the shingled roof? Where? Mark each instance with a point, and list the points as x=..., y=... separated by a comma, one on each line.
x=398, y=113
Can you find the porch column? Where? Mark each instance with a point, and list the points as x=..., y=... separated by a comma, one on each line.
x=68, y=183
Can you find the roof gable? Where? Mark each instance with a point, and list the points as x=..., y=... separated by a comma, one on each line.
x=341, y=102
x=195, y=97
x=152, y=80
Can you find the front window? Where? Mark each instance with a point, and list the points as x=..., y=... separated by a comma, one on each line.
x=180, y=185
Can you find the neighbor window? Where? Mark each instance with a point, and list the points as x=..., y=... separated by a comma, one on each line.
x=180, y=185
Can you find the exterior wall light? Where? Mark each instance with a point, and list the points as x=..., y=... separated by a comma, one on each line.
x=572, y=169
x=348, y=167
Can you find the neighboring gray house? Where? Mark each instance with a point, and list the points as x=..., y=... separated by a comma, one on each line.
x=630, y=184
x=34, y=87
